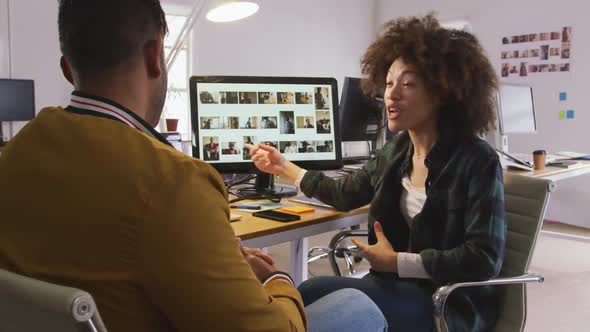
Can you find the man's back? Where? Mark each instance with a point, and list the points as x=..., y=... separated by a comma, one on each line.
x=92, y=203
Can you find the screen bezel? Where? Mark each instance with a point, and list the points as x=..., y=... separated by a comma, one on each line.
x=248, y=167
x=30, y=113
x=501, y=124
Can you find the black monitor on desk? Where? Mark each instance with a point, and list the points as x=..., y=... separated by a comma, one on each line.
x=297, y=115
x=361, y=117
x=17, y=101
x=362, y=120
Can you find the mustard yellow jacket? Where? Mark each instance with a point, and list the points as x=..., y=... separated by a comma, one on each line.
x=89, y=202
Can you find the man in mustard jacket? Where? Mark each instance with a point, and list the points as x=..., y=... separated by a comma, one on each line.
x=92, y=197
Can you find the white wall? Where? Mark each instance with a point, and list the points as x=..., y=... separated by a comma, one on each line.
x=288, y=38
x=292, y=38
x=491, y=20
x=4, y=62
x=34, y=50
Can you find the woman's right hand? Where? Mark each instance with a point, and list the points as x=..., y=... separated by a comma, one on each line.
x=270, y=160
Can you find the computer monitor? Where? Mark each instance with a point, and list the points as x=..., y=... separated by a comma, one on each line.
x=516, y=112
x=297, y=115
x=362, y=121
x=17, y=103
x=361, y=117
x=516, y=109
x=17, y=100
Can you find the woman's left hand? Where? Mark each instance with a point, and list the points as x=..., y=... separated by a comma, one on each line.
x=381, y=255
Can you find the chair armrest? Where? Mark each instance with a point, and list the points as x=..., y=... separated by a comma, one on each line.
x=336, y=239
x=439, y=297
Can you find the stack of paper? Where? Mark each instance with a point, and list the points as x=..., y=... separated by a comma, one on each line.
x=574, y=155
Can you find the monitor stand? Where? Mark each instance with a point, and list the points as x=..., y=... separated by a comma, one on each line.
x=265, y=188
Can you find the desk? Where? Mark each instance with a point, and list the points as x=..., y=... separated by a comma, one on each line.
x=557, y=173
x=258, y=232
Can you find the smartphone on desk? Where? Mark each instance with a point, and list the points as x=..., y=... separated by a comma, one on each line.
x=276, y=215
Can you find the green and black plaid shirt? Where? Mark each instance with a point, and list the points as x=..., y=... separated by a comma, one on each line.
x=460, y=232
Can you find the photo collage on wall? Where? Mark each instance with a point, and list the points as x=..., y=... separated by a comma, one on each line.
x=295, y=120
x=534, y=53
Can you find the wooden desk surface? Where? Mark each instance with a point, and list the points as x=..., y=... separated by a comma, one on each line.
x=251, y=227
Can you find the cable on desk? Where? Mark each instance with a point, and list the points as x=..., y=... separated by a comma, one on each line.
x=235, y=179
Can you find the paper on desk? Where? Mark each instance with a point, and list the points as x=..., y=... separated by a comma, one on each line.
x=263, y=206
x=573, y=155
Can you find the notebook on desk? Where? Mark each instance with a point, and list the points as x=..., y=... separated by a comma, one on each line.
x=310, y=201
x=234, y=217
x=563, y=164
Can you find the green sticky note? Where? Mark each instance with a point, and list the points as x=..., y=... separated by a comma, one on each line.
x=562, y=115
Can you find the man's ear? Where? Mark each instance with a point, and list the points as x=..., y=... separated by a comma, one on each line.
x=66, y=69
x=153, y=52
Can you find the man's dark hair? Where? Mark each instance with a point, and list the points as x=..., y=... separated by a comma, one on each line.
x=98, y=35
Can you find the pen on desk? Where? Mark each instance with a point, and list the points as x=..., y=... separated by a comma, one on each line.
x=245, y=207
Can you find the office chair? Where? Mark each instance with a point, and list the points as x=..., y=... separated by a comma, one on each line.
x=525, y=201
x=31, y=305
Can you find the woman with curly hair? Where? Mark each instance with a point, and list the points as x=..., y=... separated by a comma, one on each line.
x=435, y=189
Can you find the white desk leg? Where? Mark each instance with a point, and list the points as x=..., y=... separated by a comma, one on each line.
x=299, y=249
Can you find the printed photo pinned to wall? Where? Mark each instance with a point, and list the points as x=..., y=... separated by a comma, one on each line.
x=565, y=50
x=533, y=37
x=544, y=52
x=505, y=69
x=543, y=68
x=513, y=70
x=533, y=68
x=564, y=67
x=523, y=71
x=566, y=34
x=515, y=54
